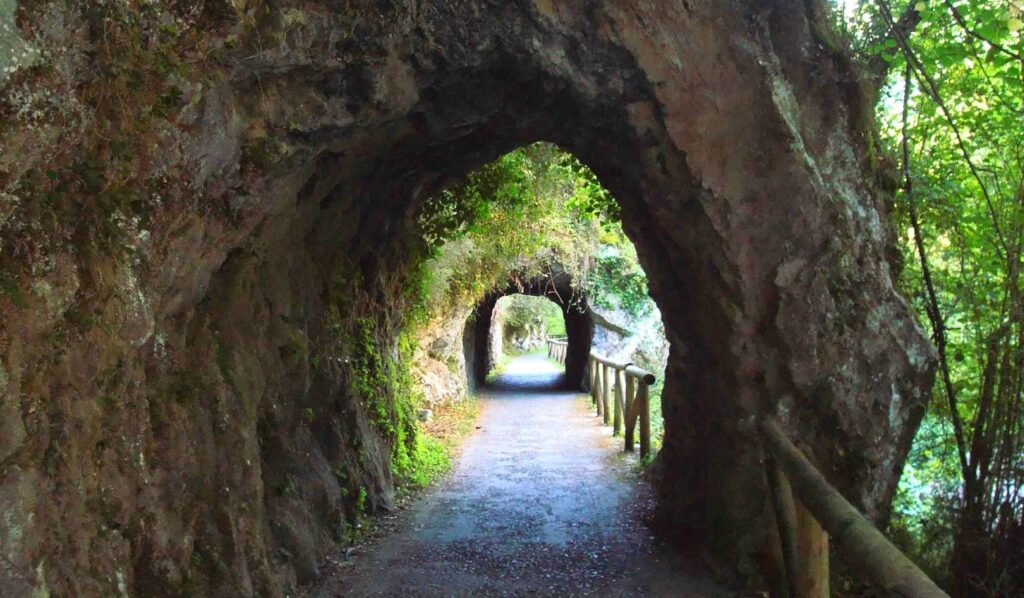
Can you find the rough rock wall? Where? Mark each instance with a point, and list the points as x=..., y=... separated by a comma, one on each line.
x=438, y=364
x=208, y=212
x=625, y=336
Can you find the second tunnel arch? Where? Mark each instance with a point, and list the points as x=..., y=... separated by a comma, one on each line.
x=558, y=287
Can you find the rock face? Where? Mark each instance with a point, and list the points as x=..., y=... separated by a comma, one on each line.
x=624, y=336
x=439, y=366
x=208, y=221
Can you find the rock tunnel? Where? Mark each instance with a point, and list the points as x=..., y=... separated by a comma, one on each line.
x=556, y=286
x=187, y=405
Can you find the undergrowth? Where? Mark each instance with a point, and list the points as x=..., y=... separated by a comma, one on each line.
x=437, y=442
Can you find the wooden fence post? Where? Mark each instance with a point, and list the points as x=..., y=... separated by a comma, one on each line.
x=643, y=395
x=605, y=392
x=591, y=375
x=620, y=392
x=786, y=525
x=812, y=554
x=630, y=411
x=865, y=550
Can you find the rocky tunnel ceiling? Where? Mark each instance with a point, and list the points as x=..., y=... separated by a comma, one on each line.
x=163, y=347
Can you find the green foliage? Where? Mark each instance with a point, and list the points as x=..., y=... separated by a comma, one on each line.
x=361, y=500
x=523, y=315
x=374, y=377
x=617, y=280
x=500, y=190
x=533, y=210
x=588, y=196
x=960, y=72
x=503, y=218
x=382, y=382
x=418, y=466
x=499, y=368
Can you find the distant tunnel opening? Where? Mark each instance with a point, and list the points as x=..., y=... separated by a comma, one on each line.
x=479, y=348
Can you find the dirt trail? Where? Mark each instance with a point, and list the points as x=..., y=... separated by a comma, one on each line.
x=541, y=502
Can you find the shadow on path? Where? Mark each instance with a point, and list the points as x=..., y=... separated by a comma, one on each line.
x=541, y=502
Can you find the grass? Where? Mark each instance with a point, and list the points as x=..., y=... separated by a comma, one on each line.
x=452, y=423
x=499, y=368
x=437, y=443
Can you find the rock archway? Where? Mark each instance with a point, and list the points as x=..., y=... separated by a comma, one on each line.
x=556, y=286
x=199, y=401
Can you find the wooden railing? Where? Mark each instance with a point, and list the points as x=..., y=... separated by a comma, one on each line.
x=622, y=395
x=558, y=349
x=808, y=510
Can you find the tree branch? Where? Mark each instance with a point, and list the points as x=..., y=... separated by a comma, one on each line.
x=959, y=18
x=930, y=88
x=933, y=310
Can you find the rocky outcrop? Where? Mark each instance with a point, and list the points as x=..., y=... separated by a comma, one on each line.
x=438, y=364
x=638, y=338
x=209, y=226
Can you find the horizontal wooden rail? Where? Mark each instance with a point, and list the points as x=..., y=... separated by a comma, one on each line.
x=558, y=350
x=621, y=393
x=868, y=553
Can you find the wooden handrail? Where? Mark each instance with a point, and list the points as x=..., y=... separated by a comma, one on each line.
x=619, y=365
x=558, y=349
x=868, y=552
x=795, y=483
x=623, y=389
x=640, y=374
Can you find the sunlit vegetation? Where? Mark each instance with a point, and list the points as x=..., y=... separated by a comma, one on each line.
x=527, y=321
x=533, y=210
x=951, y=115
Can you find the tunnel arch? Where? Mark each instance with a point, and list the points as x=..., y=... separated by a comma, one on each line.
x=769, y=268
x=558, y=287
x=735, y=136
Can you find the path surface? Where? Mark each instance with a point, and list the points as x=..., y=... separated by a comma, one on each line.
x=541, y=502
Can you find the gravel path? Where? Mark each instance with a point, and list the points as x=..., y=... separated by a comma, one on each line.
x=541, y=502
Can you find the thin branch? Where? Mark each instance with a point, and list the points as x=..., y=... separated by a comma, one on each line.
x=931, y=89
x=933, y=310
x=959, y=18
